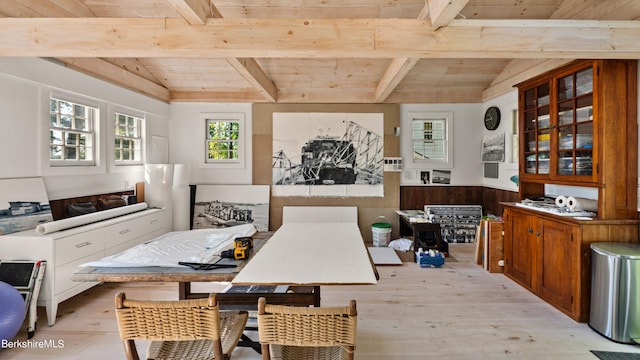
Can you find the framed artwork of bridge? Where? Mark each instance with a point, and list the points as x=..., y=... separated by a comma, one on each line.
x=328, y=154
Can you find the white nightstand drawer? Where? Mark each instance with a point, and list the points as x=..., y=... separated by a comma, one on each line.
x=77, y=246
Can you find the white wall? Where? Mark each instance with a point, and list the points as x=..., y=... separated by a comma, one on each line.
x=26, y=82
x=25, y=86
x=467, y=127
x=187, y=143
x=508, y=105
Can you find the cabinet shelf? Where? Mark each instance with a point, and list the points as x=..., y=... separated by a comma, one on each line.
x=578, y=127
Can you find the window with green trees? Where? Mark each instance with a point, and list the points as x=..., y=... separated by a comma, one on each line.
x=223, y=140
x=71, y=133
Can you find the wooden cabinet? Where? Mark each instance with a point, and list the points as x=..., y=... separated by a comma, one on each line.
x=578, y=127
x=550, y=255
x=517, y=254
x=65, y=250
x=554, y=275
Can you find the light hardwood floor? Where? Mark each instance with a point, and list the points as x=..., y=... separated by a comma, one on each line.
x=458, y=311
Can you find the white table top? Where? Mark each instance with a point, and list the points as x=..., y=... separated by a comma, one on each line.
x=311, y=254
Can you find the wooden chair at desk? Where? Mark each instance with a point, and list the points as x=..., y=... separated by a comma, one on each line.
x=294, y=332
x=182, y=329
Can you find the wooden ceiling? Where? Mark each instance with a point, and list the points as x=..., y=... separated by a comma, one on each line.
x=319, y=51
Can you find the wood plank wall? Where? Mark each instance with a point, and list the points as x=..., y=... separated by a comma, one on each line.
x=415, y=197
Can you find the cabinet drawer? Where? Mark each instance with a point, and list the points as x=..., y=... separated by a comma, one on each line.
x=62, y=280
x=77, y=246
x=123, y=232
x=117, y=234
x=153, y=222
x=131, y=243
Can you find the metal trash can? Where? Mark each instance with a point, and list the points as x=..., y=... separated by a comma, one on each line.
x=615, y=291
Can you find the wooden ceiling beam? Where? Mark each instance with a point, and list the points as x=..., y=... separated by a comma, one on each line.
x=519, y=70
x=249, y=96
x=442, y=12
x=397, y=69
x=320, y=38
x=195, y=12
x=113, y=73
x=393, y=75
x=252, y=72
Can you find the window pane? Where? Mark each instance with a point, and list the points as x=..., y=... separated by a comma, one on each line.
x=66, y=121
x=70, y=153
x=66, y=108
x=82, y=153
x=72, y=139
x=80, y=111
x=56, y=153
x=81, y=124
x=55, y=137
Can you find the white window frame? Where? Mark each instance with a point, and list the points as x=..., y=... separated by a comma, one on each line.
x=230, y=117
x=140, y=139
x=93, y=125
x=417, y=120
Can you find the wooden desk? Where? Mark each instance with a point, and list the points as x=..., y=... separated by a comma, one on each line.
x=415, y=229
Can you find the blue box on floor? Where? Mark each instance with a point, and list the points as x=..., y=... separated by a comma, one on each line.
x=426, y=261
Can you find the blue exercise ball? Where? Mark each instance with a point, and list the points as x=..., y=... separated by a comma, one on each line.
x=12, y=311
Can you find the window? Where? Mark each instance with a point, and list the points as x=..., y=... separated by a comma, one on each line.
x=223, y=140
x=128, y=139
x=72, y=136
x=430, y=139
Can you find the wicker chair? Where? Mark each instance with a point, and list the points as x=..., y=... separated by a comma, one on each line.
x=300, y=333
x=183, y=329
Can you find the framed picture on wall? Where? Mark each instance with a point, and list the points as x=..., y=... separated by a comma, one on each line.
x=425, y=177
x=441, y=176
x=493, y=147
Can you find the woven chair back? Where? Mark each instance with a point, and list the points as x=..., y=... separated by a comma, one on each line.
x=307, y=326
x=168, y=320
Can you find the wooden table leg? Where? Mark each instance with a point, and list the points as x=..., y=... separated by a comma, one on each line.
x=184, y=290
x=316, y=296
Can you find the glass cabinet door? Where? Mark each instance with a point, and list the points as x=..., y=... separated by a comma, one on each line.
x=537, y=129
x=575, y=124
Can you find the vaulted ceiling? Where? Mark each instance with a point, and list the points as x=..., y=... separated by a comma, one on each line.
x=324, y=51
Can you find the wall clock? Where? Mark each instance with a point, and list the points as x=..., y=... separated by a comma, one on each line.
x=492, y=118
